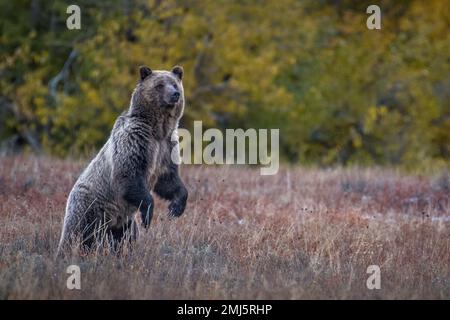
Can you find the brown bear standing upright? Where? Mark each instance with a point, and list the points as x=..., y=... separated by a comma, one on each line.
x=135, y=160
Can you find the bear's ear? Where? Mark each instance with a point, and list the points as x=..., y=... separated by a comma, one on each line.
x=178, y=71
x=145, y=72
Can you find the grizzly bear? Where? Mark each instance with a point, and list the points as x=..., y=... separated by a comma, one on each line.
x=134, y=162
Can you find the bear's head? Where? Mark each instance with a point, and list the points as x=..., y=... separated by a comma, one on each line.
x=160, y=91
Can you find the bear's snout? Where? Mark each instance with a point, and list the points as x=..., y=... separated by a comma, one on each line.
x=175, y=97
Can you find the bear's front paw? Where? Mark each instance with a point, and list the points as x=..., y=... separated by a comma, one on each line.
x=176, y=209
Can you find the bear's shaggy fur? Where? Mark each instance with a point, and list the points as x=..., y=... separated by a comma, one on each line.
x=134, y=161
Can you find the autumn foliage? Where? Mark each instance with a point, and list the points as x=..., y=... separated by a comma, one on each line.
x=338, y=92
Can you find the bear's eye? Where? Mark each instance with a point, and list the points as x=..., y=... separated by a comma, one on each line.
x=159, y=86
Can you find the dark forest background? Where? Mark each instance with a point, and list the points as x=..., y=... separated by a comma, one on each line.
x=340, y=93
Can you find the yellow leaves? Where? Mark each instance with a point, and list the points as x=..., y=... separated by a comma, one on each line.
x=32, y=34
x=356, y=138
x=310, y=69
x=28, y=93
x=374, y=113
x=39, y=102
x=92, y=97
x=95, y=73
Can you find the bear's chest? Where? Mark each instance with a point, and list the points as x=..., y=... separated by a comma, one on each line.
x=159, y=154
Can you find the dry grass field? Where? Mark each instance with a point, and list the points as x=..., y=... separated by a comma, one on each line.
x=301, y=234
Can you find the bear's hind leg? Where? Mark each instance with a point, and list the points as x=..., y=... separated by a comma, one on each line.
x=137, y=195
x=127, y=232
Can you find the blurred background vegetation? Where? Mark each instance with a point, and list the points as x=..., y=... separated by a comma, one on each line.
x=340, y=93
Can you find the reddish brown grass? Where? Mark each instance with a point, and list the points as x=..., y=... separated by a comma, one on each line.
x=299, y=234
